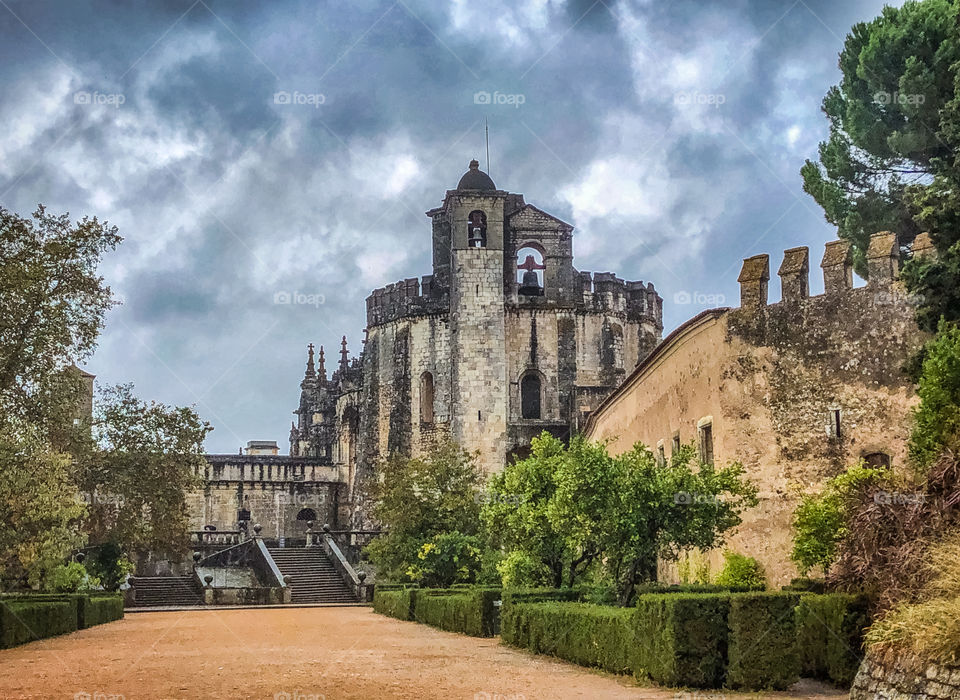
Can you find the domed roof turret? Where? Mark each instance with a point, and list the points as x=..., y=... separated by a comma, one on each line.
x=476, y=179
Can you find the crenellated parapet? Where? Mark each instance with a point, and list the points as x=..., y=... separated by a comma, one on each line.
x=406, y=298
x=605, y=292
x=883, y=264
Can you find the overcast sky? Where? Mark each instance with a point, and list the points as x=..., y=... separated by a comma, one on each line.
x=250, y=149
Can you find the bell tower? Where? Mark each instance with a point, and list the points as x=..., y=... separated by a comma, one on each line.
x=475, y=212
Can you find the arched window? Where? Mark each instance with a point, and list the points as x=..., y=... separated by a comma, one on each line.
x=477, y=229
x=426, y=398
x=530, y=396
x=877, y=460
x=530, y=271
x=307, y=514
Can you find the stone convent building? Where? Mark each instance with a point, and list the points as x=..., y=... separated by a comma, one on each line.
x=795, y=390
x=505, y=339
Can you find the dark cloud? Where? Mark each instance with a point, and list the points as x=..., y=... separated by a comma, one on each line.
x=228, y=197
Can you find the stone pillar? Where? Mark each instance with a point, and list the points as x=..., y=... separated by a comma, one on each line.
x=837, y=265
x=923, y=246
x=883, y=259
x=753, y=280
x=795, y=275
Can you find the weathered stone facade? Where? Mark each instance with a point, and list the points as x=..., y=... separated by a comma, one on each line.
x=896, y=678
x=796, y=390
x=477, y=351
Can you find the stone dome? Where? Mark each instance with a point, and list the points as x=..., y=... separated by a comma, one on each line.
x=476, y=179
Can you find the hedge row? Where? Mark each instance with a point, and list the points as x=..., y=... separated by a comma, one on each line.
x=682, y=638
x=586, y=634
x=830, y=635
x=25, y=618
x=394, y=602
x=750, y=641
x=762, y=647
x=468, y=611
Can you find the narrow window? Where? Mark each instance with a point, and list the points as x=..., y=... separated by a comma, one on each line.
x=877, y=460
x=675, y=445
x=706, y=443
x=426, y=398
x=530, y=396
x=477, y=229
x=834, y=429
x=661, y=454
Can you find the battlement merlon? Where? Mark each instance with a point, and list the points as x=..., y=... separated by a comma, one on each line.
x=408, y=297
x=883, y=262
x=604, y=291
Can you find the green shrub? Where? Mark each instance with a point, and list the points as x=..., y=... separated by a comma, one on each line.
x=27, y=618
x=740, y=570
x=682, y=638
x=70, y=578
x=646, y=588
x=586, y=634
x=98, y=609
x=395, y=602
x=446, y=559
x=762, y=650
x=806, y=585
x=470, y=612
x=540, y=595
x=830, y=631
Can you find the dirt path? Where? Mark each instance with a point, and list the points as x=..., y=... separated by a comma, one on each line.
x=302, y=654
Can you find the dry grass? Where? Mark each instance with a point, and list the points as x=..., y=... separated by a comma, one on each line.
x=930, y=629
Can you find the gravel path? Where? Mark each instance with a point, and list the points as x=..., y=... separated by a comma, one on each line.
x=299, y=654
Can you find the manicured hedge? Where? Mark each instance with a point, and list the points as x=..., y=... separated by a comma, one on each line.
x=468, y=611
x=586, y=634
x=541, y=595
x=646, y=588
x=25, y=619
x=98, y=609
x=830, y=635
x=394, y=602
x=682, y=638
x=762, y=646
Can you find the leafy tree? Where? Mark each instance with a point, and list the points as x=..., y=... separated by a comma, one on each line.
x=109, y=564
x=446, y=559
x=890, y=162
x=820, y=520
x=416, y=499
x=136, y=469
x=937, y=417
x=563, y=510
x=70, y=578
x=52, y=304
x=517, y=519
x=40, y=508
x=740, y=570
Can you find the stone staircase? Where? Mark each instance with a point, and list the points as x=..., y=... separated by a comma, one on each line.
x=313, y=579
x=154, y=591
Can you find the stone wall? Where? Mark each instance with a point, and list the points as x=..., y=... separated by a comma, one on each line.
x=771, y=381
x=903, y=679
